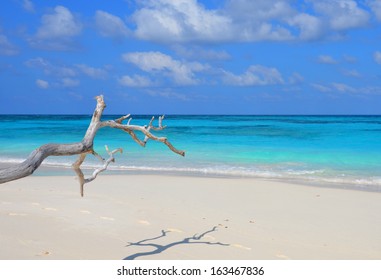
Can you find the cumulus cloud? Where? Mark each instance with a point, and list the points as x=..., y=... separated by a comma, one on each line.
x=6, y=47
x=184, y=21
x=181, y=72
x=95, y=73
x=42, y=84
x=342, y=14
x=377, y=57
x=326, y=59
x=109, y=25
x=187, y=20
x=259, y=20
x=180, y=21
x=311, y=27
x=256, y=75
x=135, y=81
x=57, y=31
x=186, y=72
x=259, y=10
x=60, y=23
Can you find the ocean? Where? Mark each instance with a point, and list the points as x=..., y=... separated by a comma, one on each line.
x=333, y=150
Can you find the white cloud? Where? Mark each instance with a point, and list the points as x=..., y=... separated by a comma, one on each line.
x=311, y=27
x=66, y=76
x=95, y=73
x=135, y=81
x=50, y=69
x=61, y=23
x=375, y=5
x=109, y=25
x=326, y=59
x=184, y=21
x=377, y=57
x=342, y=14
x=57, y=30
x=28, y=6
x=259, y=20
x=187, y=20
x=261, y=32
x=6, y=47
x=38, y=62
x=259, y=10
x=254, y=76
x=182, y=73
x=180, y=21
x=42, y=84
x=68, y=82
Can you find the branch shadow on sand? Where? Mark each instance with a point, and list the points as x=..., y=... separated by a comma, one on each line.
x=157, y=248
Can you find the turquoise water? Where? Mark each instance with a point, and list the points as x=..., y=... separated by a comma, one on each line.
x=323, y=149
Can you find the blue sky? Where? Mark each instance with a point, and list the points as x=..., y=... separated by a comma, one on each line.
x=191, y=57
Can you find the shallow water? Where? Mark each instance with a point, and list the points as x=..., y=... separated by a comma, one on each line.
x=323, y=149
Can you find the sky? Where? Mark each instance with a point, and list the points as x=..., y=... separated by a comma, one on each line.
x=191, y=56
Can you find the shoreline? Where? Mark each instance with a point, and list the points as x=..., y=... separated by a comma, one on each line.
x=182, y=217
x=59, y=171
x=46, y=170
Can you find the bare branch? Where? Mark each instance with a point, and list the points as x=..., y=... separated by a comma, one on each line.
x=105, y=164
x=121, y=119
x=81, y=177
x=150, y=123
x=146, y=131
x=161, y=121
x=85, y=147
x=97, y=156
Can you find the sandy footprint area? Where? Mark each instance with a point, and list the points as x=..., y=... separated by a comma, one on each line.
x=169, y=217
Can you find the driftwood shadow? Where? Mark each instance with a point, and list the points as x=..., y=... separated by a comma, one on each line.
x=157, y=248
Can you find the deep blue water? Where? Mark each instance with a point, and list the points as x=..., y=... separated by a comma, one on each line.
x=324, y=149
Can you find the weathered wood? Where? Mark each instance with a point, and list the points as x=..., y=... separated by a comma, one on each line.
x=81, y=177
x=85, y=147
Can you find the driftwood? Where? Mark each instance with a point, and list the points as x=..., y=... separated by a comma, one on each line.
x=85, y=147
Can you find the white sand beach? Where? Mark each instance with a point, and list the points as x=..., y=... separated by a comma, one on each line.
x=178, y=217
